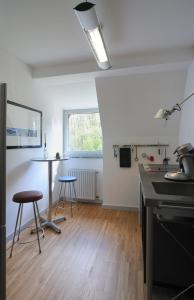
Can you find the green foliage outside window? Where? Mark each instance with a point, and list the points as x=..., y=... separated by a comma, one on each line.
x=85, y=132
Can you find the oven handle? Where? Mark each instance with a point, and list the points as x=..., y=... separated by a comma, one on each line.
x=175, y=207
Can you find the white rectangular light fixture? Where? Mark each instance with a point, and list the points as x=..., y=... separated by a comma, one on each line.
x=87, y=17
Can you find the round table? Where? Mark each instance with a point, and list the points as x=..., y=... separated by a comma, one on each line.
x=49, y=222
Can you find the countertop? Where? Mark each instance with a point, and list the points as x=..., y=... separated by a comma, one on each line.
x=151, y=198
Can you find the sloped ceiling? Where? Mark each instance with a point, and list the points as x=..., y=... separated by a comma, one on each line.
x=46, y=32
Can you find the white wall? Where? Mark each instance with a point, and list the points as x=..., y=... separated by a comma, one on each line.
x=78, y=95
x=186, y=134
x=120, y=100
x=22, y=174
x=127, y=105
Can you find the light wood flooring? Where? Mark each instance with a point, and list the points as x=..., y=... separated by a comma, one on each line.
x=96, y=257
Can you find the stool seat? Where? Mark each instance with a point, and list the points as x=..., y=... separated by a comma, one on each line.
x=67, y=178
x=69, y=182
x=27, y=196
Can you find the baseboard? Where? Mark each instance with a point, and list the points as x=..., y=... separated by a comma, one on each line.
x=29, y=222
x=96, y=201
x=117, y=207
x=25, y=225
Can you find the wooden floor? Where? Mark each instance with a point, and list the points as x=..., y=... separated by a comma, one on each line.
x=96, y=257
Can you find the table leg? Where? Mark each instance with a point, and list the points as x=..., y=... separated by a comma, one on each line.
x=49, y=222
x=58, y=220
x=149, y=252
x=52, y=225
x=50, y=177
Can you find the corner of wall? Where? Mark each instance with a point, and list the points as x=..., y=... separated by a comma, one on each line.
x=187, y=120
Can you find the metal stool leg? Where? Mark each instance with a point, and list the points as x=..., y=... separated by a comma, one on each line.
x=36, y=227
x=37, y=209
x=39, y=219
x=64, y=195
x=20, y=222
x=75, y=196
x=16, y=225
x=71, y=199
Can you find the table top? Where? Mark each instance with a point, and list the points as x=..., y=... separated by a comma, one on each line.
x=42, y=159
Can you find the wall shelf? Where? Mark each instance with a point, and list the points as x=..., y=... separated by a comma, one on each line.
x=136, y=146
x=141, y=145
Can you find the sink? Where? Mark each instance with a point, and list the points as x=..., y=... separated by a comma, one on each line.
x=174, y=188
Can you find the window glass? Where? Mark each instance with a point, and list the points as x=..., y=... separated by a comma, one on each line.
x=82, y=133
x=85, y=132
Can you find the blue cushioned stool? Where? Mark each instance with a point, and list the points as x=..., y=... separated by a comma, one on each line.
x=70, y=182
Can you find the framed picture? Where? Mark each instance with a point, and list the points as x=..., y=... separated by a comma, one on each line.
x=24, y=126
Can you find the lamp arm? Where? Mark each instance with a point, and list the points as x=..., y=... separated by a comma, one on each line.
x=187, y=98
x=164, y=113
x=177, y=106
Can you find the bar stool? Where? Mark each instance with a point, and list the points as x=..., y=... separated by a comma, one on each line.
x=27, y=197
x=70, y=181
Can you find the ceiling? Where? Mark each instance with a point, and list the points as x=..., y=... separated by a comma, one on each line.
x=47, y=32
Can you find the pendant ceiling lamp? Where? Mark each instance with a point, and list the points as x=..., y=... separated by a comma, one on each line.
x=88, y=19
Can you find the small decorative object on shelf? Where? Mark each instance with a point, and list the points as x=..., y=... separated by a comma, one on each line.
x=57, y=155
x=45, y=153
x=116, y=150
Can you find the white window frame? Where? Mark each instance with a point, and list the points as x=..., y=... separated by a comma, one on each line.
x=77, y=154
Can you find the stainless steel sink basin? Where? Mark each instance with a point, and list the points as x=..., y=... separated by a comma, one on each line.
x=174, y=188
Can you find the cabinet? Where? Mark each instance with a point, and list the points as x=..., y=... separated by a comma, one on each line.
x=173, y=245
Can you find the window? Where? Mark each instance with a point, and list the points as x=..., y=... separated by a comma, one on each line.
x=82, y=133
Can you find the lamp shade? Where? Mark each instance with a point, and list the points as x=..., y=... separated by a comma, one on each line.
x=161, y=114
x=88, y=19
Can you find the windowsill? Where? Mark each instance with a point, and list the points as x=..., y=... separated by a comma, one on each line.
x=90, y=157
x=85, y=154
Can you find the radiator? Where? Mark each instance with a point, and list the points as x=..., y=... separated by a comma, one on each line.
x=85, y=185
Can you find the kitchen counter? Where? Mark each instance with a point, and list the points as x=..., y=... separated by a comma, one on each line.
x=151, y=198
x=159, y=249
